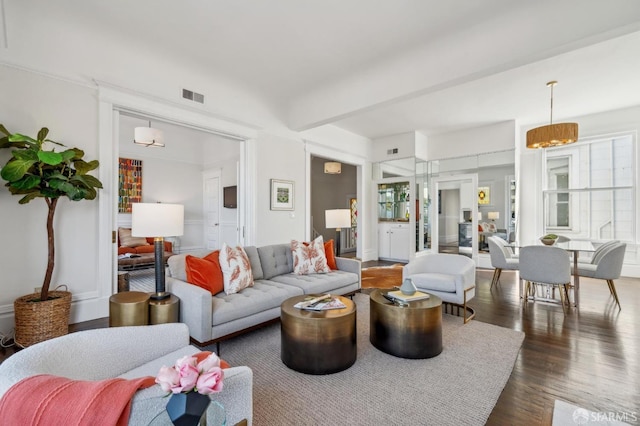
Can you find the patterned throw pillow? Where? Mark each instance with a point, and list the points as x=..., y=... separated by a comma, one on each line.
x=309, y=258
x=236, y=269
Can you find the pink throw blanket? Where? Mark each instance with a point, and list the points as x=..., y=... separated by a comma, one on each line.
x=49, y=400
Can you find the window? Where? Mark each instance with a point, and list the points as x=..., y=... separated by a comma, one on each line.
x=590, y=189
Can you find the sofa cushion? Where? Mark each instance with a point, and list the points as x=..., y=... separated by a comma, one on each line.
x=145, y=249
x=254, y=260
x=329, y=252
x=263, y=296
x=205, y=272
x=236, y=269
x=435, y=281
x=126, y=240
x=309, y=258
x=318, y=283
x=275, y=260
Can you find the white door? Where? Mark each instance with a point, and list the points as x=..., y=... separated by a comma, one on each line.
x=212, y=210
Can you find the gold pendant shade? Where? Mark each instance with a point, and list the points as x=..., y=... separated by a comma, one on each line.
x=552, y=135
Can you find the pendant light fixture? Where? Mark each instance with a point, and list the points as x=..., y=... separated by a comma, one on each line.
x=553, y=134
x=148, y=136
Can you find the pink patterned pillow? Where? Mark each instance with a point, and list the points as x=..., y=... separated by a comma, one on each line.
x=309, y=258
x=236, y=269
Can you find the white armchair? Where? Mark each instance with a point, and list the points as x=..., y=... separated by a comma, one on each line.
x=126, y=352
x=451, y=277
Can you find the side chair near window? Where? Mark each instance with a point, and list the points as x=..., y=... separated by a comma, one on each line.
x=599, y=252
x=549, y=266
x=502, y=258
x=451, y=277
x=607, y=266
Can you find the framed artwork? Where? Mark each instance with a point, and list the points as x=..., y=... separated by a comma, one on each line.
x=129, y=183
x=281, y=194
x=484, y=195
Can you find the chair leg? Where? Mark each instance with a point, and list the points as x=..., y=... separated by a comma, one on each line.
x=496, y=277
x=614, y=293
x=468, y=309
x=563, y=291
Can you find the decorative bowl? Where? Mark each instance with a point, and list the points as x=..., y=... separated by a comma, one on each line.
x=548, y=241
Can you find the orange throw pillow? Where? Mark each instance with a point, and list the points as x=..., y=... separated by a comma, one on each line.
x=330, y=254
x=205, y=272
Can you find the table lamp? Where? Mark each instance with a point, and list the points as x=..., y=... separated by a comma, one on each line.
x=158, y=221
x=493, y=216
x=337, y=218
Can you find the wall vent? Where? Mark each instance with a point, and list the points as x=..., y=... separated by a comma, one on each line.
x=392, y=151
x=193, y=96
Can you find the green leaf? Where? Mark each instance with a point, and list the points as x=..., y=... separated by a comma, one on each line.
x=15, y=169
x=87, y=180
x=28, y=197
x=28, y=182
x=26, y=154
x=17, y=137
x=68, y=154
x=42, y=134
x=50, y=157
x=90, y=194
x=4, y=130
x=54, y=142
x=82, y=167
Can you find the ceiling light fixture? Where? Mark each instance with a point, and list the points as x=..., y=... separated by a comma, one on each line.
x=148, y=136
x=332, y=168
x=553, y=134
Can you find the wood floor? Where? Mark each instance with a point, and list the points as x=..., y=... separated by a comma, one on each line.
x=589, y=358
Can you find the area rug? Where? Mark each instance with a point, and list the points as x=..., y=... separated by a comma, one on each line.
x=458, y=387
x=382, y=276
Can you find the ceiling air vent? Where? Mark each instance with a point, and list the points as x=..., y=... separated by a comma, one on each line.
x=193, y=96
x=392, y=151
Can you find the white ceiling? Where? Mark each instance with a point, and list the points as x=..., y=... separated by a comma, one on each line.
x=377, y=68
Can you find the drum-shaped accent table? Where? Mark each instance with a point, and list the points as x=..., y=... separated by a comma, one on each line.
x=318, y=342
x=413, y=331
x=165, y=310
x=129, y=308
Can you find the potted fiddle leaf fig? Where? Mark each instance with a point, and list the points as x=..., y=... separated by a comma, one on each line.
x=36, y=170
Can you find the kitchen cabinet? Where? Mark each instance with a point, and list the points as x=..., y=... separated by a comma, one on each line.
x=394, y=241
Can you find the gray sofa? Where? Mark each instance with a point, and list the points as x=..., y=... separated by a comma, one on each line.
x=127, y=352
x=214, y=318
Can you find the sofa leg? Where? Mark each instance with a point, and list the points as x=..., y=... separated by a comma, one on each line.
x=218, y=348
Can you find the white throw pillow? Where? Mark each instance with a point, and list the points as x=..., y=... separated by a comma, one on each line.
x=309, y=258
x=236, y=269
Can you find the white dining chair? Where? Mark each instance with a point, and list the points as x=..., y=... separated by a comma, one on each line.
x=502, y=257
x=595, y=258
x=548, y=266
x=608, y=267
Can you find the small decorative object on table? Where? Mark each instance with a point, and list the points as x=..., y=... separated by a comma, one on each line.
x=549, y=239
x=320, y=303
x=408, y=288
x=190, y=382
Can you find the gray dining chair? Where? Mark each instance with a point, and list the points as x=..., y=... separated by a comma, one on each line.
x=595, y=258
x=608, y=267
x=502, y=257
x=548, y=266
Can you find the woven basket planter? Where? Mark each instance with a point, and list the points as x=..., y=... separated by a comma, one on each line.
x=39, y=321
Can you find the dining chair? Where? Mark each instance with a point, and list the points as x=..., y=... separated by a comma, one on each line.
x=501, y=258
x=548, y=266
x=608, y=267
x=604, y=247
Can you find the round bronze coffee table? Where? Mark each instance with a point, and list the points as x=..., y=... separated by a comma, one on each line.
x=318, y=342
x=413, y=331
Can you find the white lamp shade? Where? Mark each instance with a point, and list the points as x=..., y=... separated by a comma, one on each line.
x=332, y=168
x=157, y=220
x=493, y=215
x=148, y=136
x=338, y=218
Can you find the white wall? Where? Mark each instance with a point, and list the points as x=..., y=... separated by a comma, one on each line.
x=29, y=102
x=491, y=138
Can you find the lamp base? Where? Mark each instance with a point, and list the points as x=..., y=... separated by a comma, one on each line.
x=160, y=295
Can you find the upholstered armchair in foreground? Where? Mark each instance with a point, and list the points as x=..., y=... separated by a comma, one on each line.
x=451, y=277
x=129, y=353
